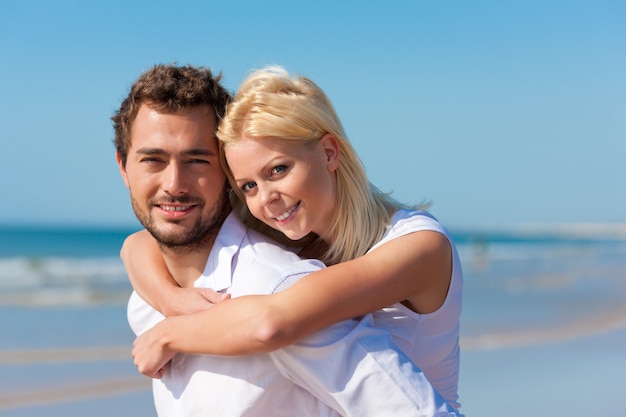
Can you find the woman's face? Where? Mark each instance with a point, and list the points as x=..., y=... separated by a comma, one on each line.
x=288, y=185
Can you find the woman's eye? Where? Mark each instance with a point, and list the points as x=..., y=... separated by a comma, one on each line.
x=248, y=186
x=278, y=169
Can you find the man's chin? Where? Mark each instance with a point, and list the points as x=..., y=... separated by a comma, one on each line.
x=172, y=235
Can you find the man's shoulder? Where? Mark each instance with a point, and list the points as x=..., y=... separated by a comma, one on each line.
x=263, y=265
x=274, y=255
x=254, y=244
x=141, y=316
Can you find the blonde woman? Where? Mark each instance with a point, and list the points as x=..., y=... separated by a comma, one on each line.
x=292, y=168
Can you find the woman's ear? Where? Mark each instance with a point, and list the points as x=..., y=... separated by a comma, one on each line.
x=330, y=145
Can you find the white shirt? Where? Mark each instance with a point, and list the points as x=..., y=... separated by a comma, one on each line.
x=347, y=369
x=430, y=340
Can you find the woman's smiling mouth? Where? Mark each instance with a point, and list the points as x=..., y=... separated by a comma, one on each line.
x=287, y=213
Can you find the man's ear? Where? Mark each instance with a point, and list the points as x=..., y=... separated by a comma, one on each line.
x=122, y=168
x=330, y=144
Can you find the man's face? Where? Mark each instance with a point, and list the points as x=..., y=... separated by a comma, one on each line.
x=177, y=186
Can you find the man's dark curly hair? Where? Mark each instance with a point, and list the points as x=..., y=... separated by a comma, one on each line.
x=168, y=89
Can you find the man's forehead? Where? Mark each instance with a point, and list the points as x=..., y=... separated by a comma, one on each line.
x=192, y=128
x=198, y=151
x=164, y=109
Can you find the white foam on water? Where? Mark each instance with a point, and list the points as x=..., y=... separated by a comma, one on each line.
x=61, y=281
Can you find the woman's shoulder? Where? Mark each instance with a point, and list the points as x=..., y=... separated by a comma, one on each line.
x=405, y=221
x=414, y=220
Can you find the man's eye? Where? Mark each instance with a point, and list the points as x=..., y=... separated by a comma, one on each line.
x=151, y=160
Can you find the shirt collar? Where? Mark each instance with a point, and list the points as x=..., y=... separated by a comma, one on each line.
x=218, y=271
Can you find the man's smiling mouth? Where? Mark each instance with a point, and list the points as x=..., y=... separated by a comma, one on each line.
x=174, y=208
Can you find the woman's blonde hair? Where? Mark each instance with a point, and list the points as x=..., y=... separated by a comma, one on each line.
x=272, y=104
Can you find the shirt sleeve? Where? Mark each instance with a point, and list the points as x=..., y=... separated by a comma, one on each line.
x=353, y=368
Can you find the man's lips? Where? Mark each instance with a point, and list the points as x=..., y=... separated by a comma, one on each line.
x=167, y=207
x=173, y=210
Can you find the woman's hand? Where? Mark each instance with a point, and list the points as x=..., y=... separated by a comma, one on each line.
x=150, y=351
x=153, y=282
x=191, y=300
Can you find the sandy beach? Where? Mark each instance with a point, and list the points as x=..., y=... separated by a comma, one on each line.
x=554, y=371
x=543, y=330
x=73, y=392
x=567, y=370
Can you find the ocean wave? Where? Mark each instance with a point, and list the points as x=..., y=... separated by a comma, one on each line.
x=49, y=281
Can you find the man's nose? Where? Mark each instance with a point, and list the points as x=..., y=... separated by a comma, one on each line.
x=176, y=180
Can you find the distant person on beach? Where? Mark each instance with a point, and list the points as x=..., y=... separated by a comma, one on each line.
x=288, y=159
x=168, y=157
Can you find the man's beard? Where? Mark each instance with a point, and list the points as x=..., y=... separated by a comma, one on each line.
x=196, y=237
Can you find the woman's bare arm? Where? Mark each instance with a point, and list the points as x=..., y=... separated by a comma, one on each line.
x=415, y=268
x=145, y=268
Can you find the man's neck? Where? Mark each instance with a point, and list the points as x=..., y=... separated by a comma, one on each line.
x=186, y=264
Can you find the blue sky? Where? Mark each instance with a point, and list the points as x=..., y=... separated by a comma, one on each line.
x=499, y=113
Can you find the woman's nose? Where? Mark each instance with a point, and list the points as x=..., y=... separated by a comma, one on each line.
x=269, y=195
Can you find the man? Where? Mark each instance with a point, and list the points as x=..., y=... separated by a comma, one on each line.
x=168, y=157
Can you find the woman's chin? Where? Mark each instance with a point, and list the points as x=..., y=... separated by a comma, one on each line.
x=295, y=236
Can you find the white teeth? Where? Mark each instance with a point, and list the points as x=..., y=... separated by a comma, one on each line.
x=285, y=214
x=175, y=208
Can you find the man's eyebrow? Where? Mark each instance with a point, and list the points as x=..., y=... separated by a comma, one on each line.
x=151, y=151
x=199, y=152
x=189, y=152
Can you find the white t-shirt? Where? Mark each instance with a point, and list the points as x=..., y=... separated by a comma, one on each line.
x=347, y=369
x=430, y=340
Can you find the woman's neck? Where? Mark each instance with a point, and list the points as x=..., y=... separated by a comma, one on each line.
x=316, y=249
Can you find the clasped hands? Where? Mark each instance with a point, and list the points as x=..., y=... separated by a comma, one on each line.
x=152, y=350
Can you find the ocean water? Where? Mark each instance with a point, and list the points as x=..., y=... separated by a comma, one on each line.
x=541, y=298
x=521, y=284
x=61, y=267
x=65, y=344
